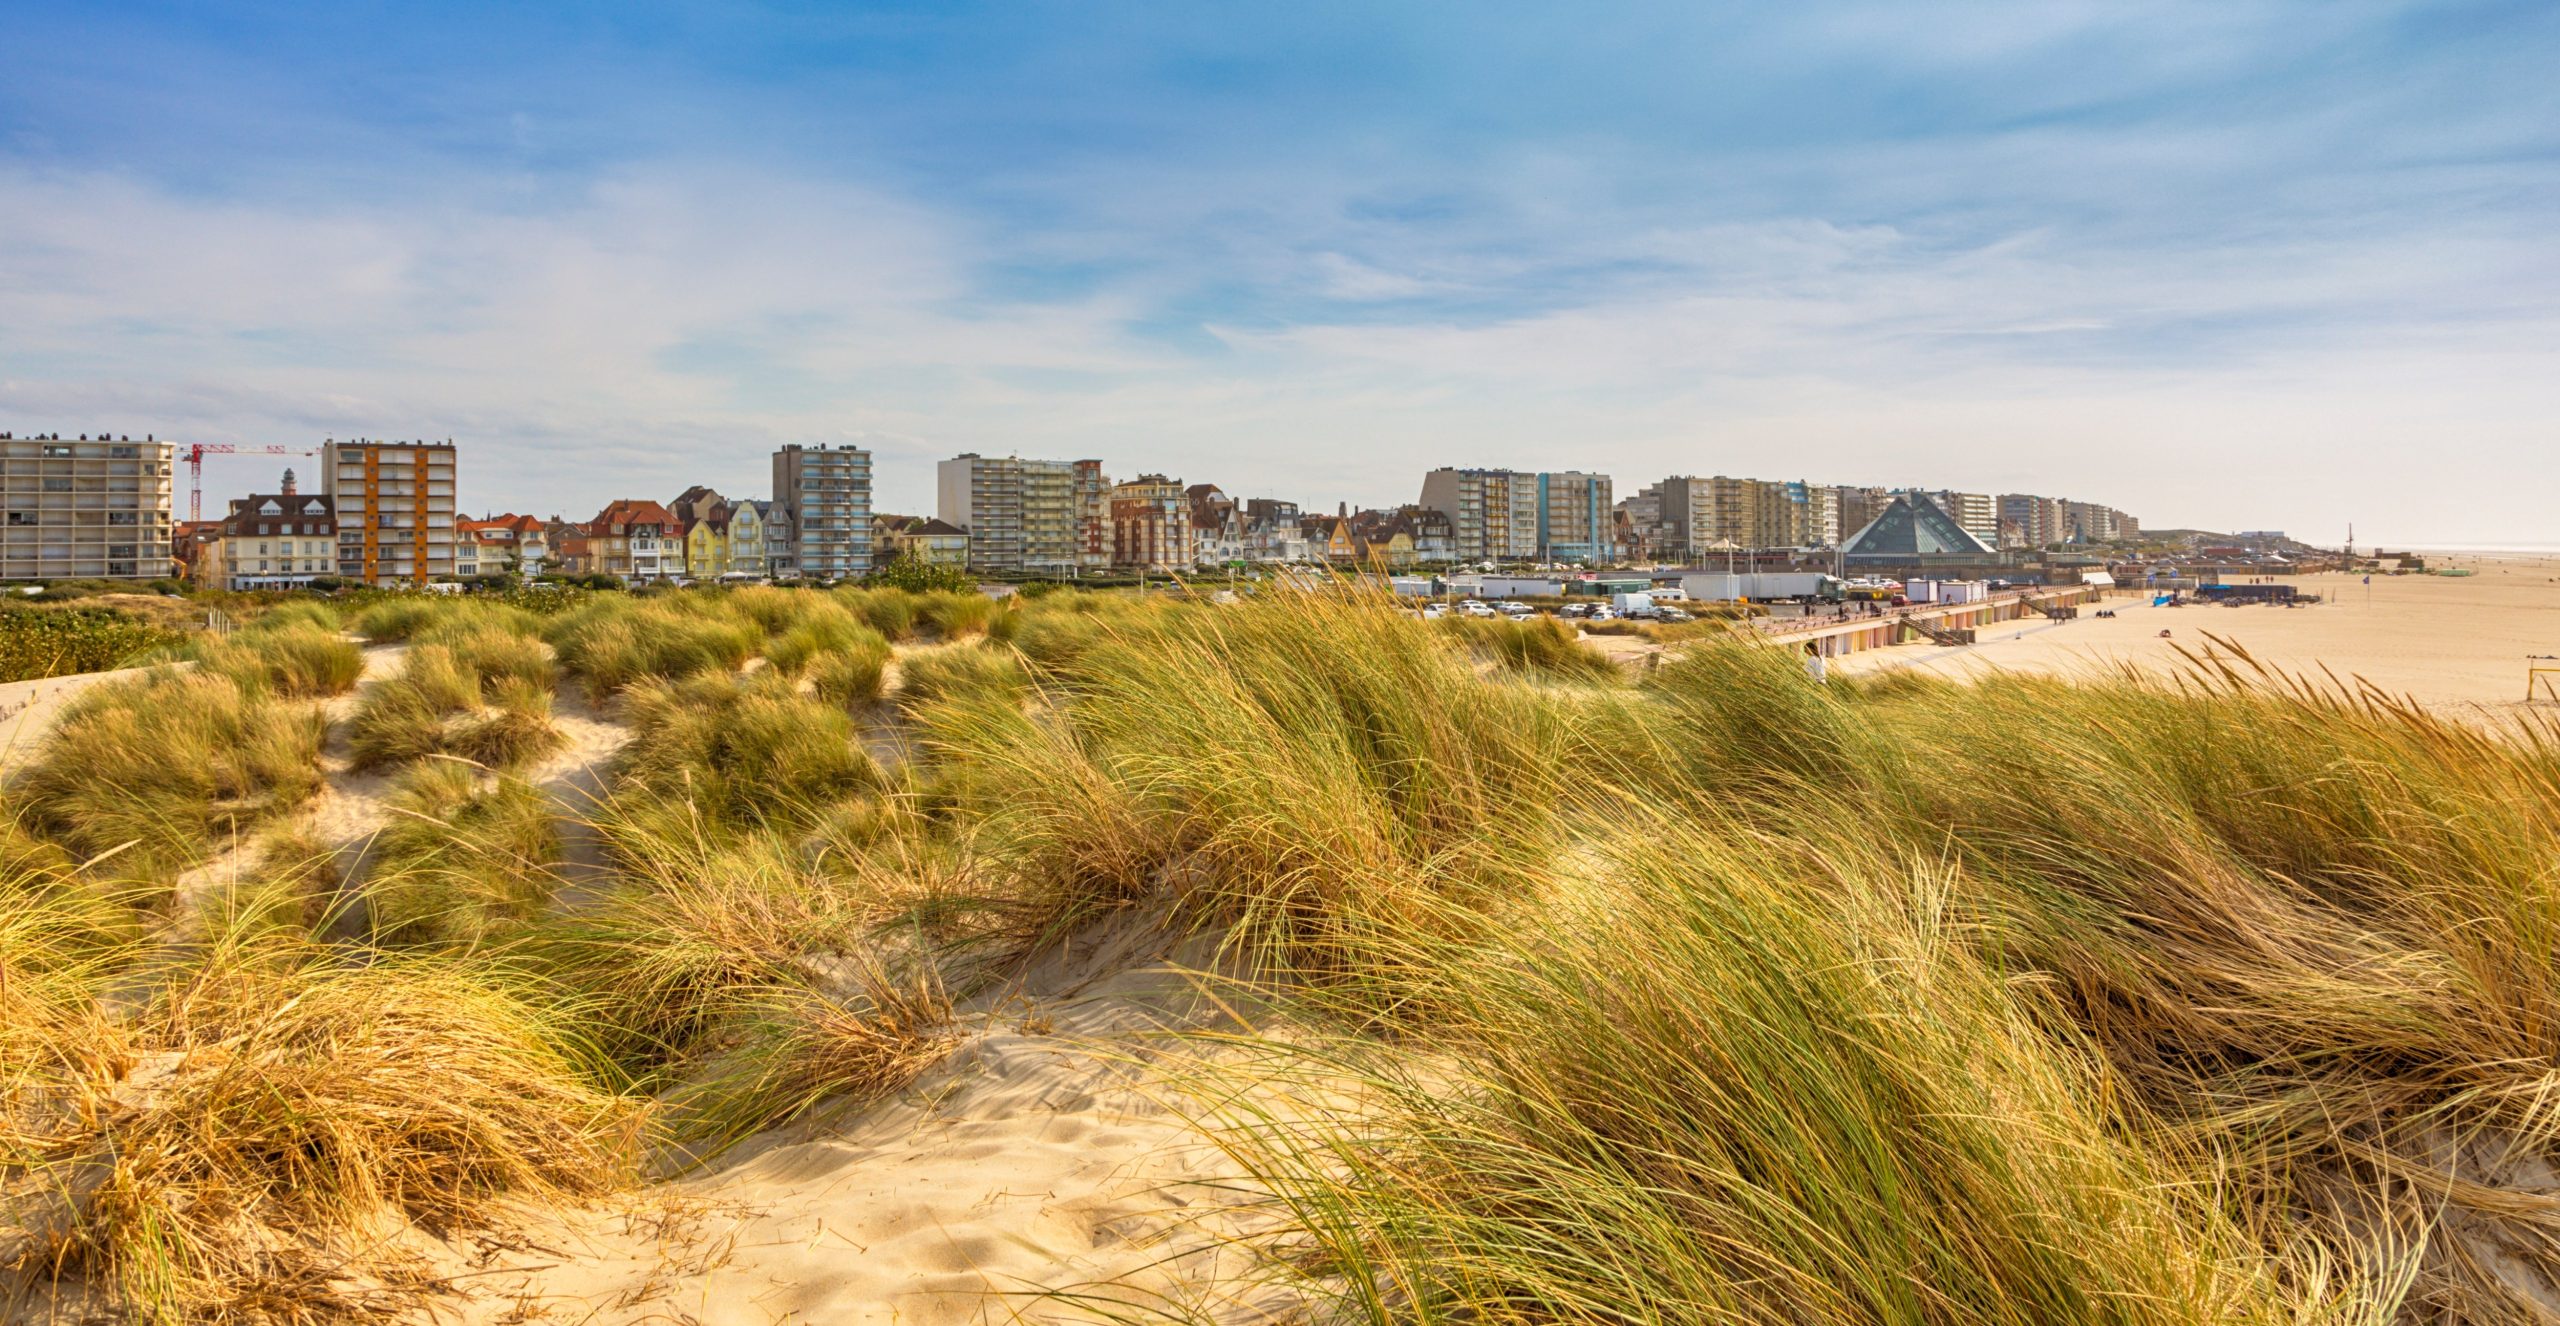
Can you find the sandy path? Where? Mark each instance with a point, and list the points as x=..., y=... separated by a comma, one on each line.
x=28, y=710
x=1040, y=1158
x=574, y=776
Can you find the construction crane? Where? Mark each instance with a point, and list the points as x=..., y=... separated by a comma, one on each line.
x=196, y=453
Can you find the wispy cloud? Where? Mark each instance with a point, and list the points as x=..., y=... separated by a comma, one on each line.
x=2238, y=265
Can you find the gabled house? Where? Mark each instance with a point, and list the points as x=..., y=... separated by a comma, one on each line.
x=636, y=539
x=497, y=545
x=272, y=541
x=930, y=540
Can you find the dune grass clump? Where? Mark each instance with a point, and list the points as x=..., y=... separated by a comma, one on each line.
x=742, y=977
x=1746, y=1082
x=399, y=616
x=894, y=613
x=162, y=768
x=825, y=629
x=786, y=1051
x=1740, y=719
x=747, y=751
x=853, y=676
x=2313, y=928
x=299, y=612
x=1540, y=646
x=464, y=860
x=498, y=649
x=61, y=937
x=776, y=610
x=952, y=672
x=295, y=660
x=438, y=706
x=952, y=614
x=233, y=1152
x=1322, y=763
x=613, y=642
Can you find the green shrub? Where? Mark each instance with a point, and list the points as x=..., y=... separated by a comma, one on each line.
x=913, y=575
x=56, y=642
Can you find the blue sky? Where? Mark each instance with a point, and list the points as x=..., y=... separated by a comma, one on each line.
x=2223, y=264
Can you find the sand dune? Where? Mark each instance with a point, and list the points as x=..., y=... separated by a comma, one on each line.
x=1041, y=1163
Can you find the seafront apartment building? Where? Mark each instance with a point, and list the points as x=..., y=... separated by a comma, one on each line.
x=1024, y=517
x=1493, y=514
x=83, y=509
x=394, y=507
x=824, y=493
x=1574, y=509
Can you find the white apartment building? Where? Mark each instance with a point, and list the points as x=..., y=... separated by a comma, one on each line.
x=84, y=509
x=1024, y=517
x=1493, y=514
x=394, y=506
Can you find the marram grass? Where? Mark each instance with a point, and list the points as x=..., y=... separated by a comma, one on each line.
x=1718, y=995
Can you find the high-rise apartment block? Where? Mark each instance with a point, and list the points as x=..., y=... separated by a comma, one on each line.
x=1859, y=505
x=1493, y=514
x=84, y=510
x=394, y=505
x=1573, y=517
x=824, y=494
x=1795, y=514
x=1092, y=503
x=2029, y=521
x=1024, y=517
x=2089, y=522
x=1978, y=513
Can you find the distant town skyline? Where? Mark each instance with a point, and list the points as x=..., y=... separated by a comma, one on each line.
x=2265, y=266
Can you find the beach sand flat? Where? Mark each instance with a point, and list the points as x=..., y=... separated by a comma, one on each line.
x=2451, y=642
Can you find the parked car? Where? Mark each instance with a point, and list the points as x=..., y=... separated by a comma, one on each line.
x=1605, y=613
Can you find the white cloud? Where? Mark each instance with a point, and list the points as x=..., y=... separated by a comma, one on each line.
x=670, y=325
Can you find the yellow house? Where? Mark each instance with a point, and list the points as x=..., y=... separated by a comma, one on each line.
x=1394, y=550
x=706, y=547
x=744, y=553
x=1331, y=538
x=709, y=540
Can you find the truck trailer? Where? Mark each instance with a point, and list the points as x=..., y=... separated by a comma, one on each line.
x=1764, y=587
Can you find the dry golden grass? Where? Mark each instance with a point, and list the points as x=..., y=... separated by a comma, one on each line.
x=1723, y=996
